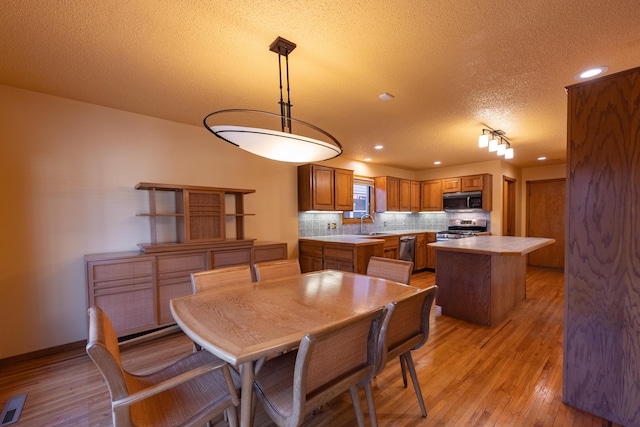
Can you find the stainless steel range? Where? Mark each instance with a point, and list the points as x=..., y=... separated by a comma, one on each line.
x=460, y=228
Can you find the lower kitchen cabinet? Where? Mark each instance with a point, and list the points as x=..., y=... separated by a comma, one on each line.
x=391, y=247
x=348, y=256
x=421, y=251
x=134, y=289
x=431, y=252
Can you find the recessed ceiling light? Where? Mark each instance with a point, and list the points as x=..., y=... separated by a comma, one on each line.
x=378, y=147
x=542, y=158
x=591, y=72
x=386, y=96
x=437, y=162
x=368, y=159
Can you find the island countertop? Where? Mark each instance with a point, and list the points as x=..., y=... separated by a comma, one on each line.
x=345, y=239
x=494, y=245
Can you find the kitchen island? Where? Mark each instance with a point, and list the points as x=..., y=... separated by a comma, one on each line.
x=480, y=279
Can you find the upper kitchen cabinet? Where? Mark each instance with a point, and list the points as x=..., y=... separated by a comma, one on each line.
x=476, y=182
x=431, y=195
x=451, y=185
x=387, y=190
x=396, y=195
x=322, y=188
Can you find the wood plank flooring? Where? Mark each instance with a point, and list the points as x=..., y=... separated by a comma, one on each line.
x=471, y=375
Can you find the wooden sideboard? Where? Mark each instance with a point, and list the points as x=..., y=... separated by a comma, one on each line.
x=134, y=288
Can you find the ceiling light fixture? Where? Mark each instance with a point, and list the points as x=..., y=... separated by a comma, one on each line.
x=385, y=96
x=496, y=141
x=591, y=72
x=259, y=138
x=378, y=147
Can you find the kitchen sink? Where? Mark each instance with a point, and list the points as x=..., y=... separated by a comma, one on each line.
x=377, y=233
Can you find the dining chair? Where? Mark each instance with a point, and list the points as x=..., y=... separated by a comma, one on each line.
x=390, y=269
x=189, y=392
x=274, y=269
x=327, y=363
x=202, y=281
x=406, y=328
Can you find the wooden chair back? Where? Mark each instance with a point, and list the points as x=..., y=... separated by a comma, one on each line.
x=390, y=269
x=328, y=363
x=220, y=277
x=274, y=269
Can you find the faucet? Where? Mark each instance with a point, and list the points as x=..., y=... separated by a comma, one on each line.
x=362, y=218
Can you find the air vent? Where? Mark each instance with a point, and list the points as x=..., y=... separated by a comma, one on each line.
x=12, y=409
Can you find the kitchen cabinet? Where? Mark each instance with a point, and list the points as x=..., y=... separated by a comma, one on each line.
x=431, y=252
x=421, y=251
x=396, y=194
x=322, y=188
x=431, y=195
x=415, y=196
x=431, y=191
x=174, y=279
x=391, y=248
x=387, y=189
x=602, y=280
x=451, y=185
x=311, y=256
x=350, y=254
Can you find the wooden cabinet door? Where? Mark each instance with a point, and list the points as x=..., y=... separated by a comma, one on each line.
x=431, y=195
x=174, y=280
x=404, y=195
x=323, y=188
x=203, y=216
x=415, y=196
x=343, y=180
x=451, y=185
x=472, y=183
x=387, y=189
x=431, y=252
x=421, y=252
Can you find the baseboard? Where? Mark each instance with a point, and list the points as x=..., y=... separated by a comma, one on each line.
x=74, y=348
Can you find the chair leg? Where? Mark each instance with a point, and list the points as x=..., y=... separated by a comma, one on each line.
x=355, y=399
x=232, y=416
x=368, y=391
x=414, y=379
x=403, y=369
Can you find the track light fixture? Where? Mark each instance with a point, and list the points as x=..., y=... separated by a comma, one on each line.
x=496, y=141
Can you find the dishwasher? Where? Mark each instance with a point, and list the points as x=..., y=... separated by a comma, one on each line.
x=408, y=248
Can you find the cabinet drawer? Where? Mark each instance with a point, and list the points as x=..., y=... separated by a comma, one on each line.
x=119, y=269
x=270, y=252
x=338, y=252
x=231, y=258
x=190, y=262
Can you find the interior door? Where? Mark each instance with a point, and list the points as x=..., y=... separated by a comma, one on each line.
x=545, y=218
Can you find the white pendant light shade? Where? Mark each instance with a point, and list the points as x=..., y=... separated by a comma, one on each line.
x=483, y=141
x=508, y=154
x=493, y=145
x=501, y=149
x=275, y=145
x=254, y=130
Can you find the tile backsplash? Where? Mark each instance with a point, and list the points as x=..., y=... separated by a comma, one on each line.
x=312, y=224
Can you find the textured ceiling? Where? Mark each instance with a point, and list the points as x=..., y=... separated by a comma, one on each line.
x=453, y=66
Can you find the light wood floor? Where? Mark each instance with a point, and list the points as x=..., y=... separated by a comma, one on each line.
x=507, y=375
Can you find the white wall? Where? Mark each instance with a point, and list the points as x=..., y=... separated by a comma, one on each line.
x=68, y=171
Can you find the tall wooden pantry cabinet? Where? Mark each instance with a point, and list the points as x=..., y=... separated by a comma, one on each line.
x=602, y=270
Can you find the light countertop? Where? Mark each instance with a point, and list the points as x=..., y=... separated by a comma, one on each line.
x=494, y=245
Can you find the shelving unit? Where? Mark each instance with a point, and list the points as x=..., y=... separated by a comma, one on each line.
x=199, y=215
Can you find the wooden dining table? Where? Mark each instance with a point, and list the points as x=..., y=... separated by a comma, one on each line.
x=246, y=323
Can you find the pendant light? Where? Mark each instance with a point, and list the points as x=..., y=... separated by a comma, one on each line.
x=310, y=144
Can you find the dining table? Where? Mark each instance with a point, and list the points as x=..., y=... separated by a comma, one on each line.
x=244, y=324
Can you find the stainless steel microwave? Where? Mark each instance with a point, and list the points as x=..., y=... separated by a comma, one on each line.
x=466, y=201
